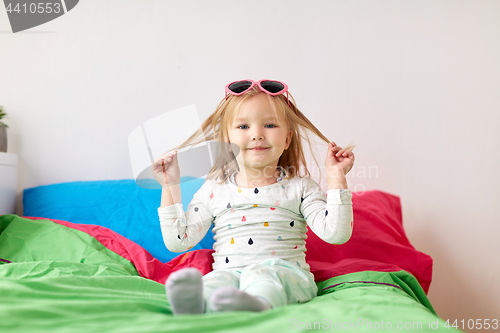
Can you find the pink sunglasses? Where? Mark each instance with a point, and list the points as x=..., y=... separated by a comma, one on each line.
x=270, y=87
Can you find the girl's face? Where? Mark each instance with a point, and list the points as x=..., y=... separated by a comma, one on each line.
x=261, y=137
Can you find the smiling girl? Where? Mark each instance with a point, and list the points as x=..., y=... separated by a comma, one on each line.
x=259, y=200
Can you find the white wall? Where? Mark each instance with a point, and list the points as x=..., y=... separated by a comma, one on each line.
x=414, y=84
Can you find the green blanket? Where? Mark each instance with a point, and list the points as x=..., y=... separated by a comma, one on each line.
x=54, y=278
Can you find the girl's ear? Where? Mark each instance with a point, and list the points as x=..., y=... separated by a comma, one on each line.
x=288, y=139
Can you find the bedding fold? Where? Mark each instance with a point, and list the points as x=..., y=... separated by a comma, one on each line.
x=55, y=277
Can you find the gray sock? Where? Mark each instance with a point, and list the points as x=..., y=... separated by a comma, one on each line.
x=185, y=291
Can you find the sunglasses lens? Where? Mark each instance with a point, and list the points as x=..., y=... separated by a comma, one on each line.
x=240, y=86
x=272, y=86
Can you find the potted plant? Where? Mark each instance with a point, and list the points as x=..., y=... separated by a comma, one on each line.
x=3, y=132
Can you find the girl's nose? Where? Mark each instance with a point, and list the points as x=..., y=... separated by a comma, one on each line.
x=257, y=136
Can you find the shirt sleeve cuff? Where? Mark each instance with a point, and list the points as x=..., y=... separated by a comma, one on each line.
x=339, y=197
x=173, y=211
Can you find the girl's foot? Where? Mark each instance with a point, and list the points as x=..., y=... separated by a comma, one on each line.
x=185, y=291
x=231, y=299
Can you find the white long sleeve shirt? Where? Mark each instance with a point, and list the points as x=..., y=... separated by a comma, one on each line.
x=254, y=224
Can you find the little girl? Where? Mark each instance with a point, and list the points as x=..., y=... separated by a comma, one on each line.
x=258, y=203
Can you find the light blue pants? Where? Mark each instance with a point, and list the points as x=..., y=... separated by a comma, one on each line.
x=277, y=281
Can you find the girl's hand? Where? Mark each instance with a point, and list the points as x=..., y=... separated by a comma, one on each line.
x=166, y=169
x=338, y=159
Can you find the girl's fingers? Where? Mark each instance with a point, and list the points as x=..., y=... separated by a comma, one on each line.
x=339, y=151
x=165, y=159
x=171, y=154
x=334, y=151
x=344, y=153
x=168, y=157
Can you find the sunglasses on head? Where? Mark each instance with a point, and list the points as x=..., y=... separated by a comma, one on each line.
x=270, y=87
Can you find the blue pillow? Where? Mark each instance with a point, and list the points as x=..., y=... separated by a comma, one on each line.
x=119, y=205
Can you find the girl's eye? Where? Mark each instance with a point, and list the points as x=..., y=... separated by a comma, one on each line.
x=246, y=126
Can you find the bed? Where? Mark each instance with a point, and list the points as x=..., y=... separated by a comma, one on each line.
x=89, y=257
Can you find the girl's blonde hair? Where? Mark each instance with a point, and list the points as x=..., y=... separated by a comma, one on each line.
x=215, y=128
